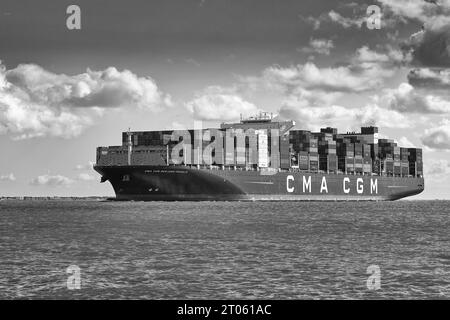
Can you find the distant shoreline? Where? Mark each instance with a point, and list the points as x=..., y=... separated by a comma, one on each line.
x=52, y=198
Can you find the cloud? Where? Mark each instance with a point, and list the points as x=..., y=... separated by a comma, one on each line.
x=87, y=166
x=430, y=47
x=350, y=78
x=319, y=46
x=418, y=10
x=8, y=177
x=404, y=142
x=51, y=181
x=307, y=85
x=341, y=117
x=355, y=16
x=175, y=125
x=392, y=13
x=346, y=22
x=406, y=98
x=217, y=103
x=311, y=98
x=438, y=138
x=310, y=93
x=374, y=115
x=437, y=167
x=193, y=62
x=35, y=102
x=333, y=17
x=387, y=58
x=85, y=177
x=313, y=21
x=430, y=79
x=108, y=88
x=314, y=118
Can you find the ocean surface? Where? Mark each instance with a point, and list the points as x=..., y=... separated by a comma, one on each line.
x=225, y=250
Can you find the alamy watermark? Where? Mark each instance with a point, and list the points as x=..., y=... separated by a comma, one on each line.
x=74, y=280
x=374, y=17
x=73, y=21
x=374, y=280
x=230, y=146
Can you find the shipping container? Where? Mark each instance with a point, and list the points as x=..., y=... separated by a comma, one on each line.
x=229, y=149
x=285, y=154
x=332, y=164
x=367, y=168
x=405, y=171
x=397, y=167
x=415, y=154
x=342, y=161
x=374, y=151
x=330, y=130
x=263, y=152
x=345, y=149
x=389, y=167
x=303, y=165
x=313, y=165
x=358, y=149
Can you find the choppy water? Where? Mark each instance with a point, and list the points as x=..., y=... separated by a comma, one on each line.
x=224, y=250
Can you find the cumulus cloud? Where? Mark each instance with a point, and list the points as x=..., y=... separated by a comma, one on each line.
x=404, y=142
x=430, y=47
x=175, y=125
x=216, y=103
x=313, y=119
x=311, y=93
x=51, y=181
x=342, y=117
x=387, y=58
x=86, y=166
x=348, y=78
x=106, y=88
x=437, y=167
x=8, y=177
x=193, y=62
x=438, y=137
x=374, y=115
x=310, y=86
x=419, y=10
x=35, y=102
x=406, y=98
x=332, y=17
x=430, y=79
x=85, y=177
x=319, y=46
x=313, y=21
x=354, y=16
x=345, y=21
x=311, y=98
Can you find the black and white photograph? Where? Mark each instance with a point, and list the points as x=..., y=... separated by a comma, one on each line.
x=224, y=150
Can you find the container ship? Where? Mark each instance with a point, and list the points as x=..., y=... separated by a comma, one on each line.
x=260, y=158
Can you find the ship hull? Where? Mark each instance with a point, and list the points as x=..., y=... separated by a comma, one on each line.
x=180, y=183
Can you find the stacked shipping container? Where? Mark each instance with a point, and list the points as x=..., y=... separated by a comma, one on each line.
x=324, y=151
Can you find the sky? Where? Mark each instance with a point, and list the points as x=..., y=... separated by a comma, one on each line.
x=162, y=64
